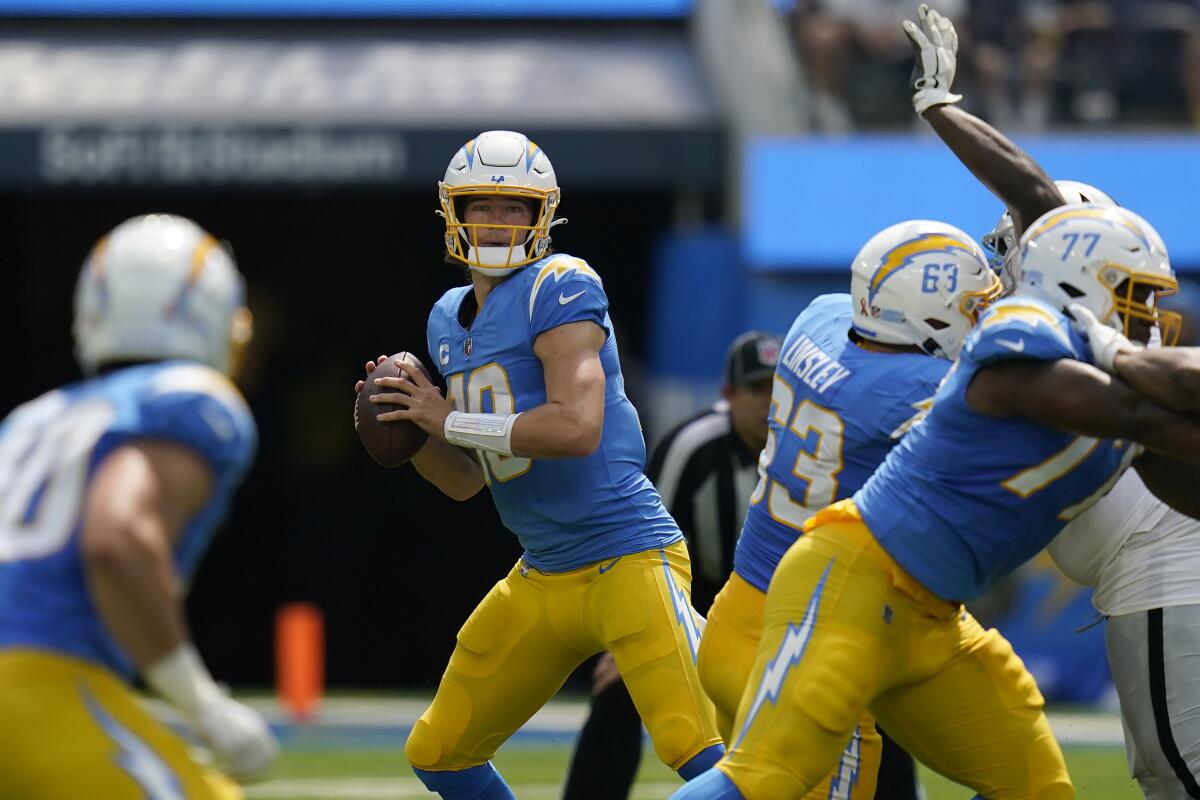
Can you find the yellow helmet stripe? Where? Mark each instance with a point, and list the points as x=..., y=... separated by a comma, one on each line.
x=1099, y=214
x=200, y=258
x=904, y=253
x=1031, y=314
x=96, y=259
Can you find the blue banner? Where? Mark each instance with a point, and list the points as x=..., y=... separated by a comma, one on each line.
x=811, y=203
x=348, y=8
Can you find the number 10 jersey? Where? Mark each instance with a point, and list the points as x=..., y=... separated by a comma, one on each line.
x=567, y=512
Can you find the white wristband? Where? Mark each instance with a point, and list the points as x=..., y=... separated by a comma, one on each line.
x=490, y=432
x=181, y=678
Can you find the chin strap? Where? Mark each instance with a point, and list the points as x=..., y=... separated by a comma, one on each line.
x=489, y=432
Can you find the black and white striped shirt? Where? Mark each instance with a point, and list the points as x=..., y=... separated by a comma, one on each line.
x=705, y=476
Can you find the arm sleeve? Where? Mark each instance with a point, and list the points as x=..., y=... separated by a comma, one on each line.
x=574, y=298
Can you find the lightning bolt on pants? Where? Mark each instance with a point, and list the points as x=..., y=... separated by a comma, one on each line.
x=70, y=728
x=727, y=654
x=533, y=629
x=846, y=630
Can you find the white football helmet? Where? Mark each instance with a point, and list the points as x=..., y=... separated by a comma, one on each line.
x=159, y=286
x=1001, y=241
x=1107, y=258
x=501, y=163
x=921, y=283
x=1104, y=257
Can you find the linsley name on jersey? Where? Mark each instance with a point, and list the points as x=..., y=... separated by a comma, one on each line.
x=812, y=365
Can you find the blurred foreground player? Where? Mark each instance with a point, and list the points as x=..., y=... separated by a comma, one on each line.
x=536, y=410
x=704, y=470
x=111, y=489
x=856, y=373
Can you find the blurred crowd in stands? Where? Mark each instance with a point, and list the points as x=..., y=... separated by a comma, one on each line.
x=1025, y=65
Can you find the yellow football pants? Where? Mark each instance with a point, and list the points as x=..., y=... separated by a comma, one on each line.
x=71, y=730
x=727, y=653
x=846, y=629
x=533, y=629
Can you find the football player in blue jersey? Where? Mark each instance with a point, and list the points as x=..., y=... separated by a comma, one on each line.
x=1171, y=377
x=1028, y=430
x=855, y=372
x=110, y=490
x=967, y=707
x=535, y=409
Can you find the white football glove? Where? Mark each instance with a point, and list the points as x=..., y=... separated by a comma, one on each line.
x=1106, y=342
x=936, y=44
x=238, y=736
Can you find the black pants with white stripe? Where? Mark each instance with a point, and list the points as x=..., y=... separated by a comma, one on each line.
x=1155, y=661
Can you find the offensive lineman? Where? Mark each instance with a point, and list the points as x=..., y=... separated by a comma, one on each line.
x=856, y=372
x=865, y=611
x=1136, y=551
x=110, y=490
x=987, y=480
x=536, y=410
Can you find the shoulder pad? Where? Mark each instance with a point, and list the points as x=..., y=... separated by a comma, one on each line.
x=202, y=409
x=1021, y=329
x=556, y=269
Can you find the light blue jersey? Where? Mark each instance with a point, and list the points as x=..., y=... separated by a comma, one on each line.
x=569, y=512
x=836, y=411
x=966, y=498
x=49, y=450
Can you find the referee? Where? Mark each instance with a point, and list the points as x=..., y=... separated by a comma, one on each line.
x=705, y=470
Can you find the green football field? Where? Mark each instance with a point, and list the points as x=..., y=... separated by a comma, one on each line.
x=536, y=771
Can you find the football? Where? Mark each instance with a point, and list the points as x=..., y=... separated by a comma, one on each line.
x=389, y=443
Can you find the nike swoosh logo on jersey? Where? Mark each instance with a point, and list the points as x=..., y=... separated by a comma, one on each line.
x=611, y=564
x=1017, y=346
x=563, y=299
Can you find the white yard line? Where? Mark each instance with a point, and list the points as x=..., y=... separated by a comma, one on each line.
x=566, y=716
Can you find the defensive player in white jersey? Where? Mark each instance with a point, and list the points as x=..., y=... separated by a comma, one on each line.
x=536, y=411
x=1143, y=558
x=110, y=490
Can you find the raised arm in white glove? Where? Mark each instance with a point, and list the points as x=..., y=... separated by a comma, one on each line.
x=1106, y=342
x=936, y=44
x=238, y=736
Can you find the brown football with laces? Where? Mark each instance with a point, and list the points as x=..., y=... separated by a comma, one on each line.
x=389, y=443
